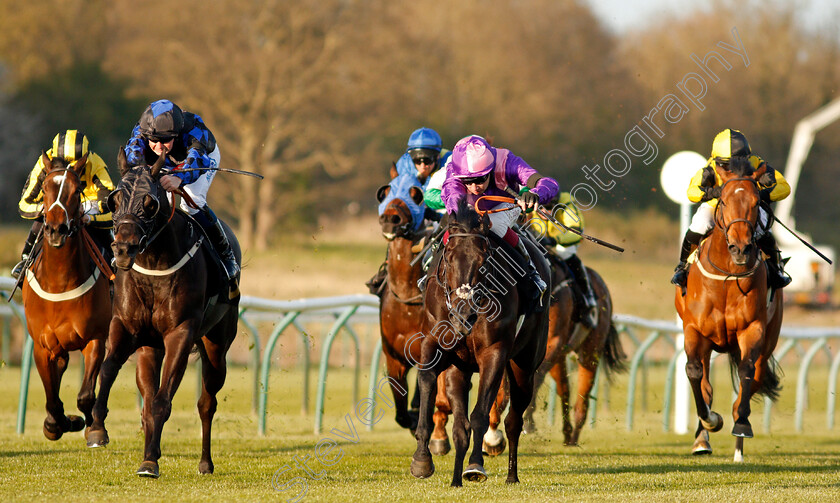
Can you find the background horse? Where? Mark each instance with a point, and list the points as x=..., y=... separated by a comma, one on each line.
x=726, y=309
x=567, y=334
x=170, y=295
x=401, y=302
x=66, y=301
x=476, y=323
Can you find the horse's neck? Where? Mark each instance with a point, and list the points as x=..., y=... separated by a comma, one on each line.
x=169, y=246
x=65, y=267
x=402, y=276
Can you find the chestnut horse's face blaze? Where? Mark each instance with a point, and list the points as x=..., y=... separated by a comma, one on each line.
x=62, y=199
x=737, y=216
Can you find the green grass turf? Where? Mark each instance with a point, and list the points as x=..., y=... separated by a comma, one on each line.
x=611, y=464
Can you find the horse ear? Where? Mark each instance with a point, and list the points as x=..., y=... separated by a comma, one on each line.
x=393, y=171
x=416, y=194
x=158, y=165
x=122, y=162
x=79, y=165
x=45, y=160
x=484, y=226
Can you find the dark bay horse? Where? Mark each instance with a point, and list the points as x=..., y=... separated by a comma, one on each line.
x=401, y=302
x=475, y=322
x=170, y=296
x=565, y=335
x=726, y=309
x=66, y=300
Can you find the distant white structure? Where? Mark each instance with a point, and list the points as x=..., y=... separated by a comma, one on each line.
x=813, y=278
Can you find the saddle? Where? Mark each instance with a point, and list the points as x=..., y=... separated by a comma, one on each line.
x=207, y=245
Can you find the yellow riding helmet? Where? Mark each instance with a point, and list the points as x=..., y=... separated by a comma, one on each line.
x=728, y=143
x=70, y=145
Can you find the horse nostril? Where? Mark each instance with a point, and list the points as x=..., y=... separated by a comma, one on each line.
x=733, y=249
x=394, y=219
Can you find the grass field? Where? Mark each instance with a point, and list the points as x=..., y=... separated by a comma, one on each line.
x=612, y=464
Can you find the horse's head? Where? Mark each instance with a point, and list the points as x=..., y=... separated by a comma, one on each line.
x=401, y=207
x=62, y=198
x=737, y=209
x=136, y=205
x=464, y=258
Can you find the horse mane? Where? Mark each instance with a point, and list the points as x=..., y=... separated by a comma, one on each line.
x=740, y=166
x=465, y=216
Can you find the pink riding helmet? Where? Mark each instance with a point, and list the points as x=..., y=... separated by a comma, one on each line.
x=472, y=157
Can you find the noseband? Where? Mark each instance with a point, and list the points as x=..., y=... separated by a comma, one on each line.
x=72, y=223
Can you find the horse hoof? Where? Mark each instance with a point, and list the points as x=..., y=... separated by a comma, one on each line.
x=742, y=429
x=206, y=468
x=52, y=431
x=439, y=446
x=571, y=443
x=148, y=469
x=494, y=450
x=475, y=473
x=529, y=427
x=701, y=444
x=422, y=469
x=715, y=422
x=96, y=438
x=77, y=423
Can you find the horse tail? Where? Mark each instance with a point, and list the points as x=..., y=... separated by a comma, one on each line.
x=613, y=355
x=770, y=385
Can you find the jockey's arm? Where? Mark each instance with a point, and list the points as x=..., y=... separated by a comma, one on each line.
x=98, y=187
x=776, y=188
x=31, y=200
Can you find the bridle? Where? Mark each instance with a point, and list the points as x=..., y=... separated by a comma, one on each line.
x=724, y=227
x=465, y=291
x=72, y=224
x=144, y=224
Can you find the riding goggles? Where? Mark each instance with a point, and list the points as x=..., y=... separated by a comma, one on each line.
x=477, y=180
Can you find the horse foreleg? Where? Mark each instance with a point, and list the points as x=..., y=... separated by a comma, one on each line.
x=491, y=370
x=121, y=346
x=177, y=344
x=147, y=377
x=397, y=371
x=494, y=441
x=421, y=462
x=213, y=374
x=457, y=388
x=51, y=369
x=94, y=353
x=521, y=385
x=559, y=373
x=586, y=380
x=741, y=408
x=439, y=443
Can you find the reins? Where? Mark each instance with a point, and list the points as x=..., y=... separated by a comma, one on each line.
x=724, y=228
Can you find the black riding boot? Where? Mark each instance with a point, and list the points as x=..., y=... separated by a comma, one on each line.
x=589, y=317
x=691, y=240
x=531, y=272
x=777, y=277
x=27, y=248
x=213, y=227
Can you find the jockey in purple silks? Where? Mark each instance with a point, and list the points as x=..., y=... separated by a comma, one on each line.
x=477, y=169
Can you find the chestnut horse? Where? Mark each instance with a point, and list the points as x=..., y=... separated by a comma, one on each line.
x=565, y=335
x=726, y=309
x=170, y=296
x=66, y=300
x=474, y=322
x=401, y=302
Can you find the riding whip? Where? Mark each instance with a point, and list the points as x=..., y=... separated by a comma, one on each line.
x=809, y=245
x=553, y=220
x=226, y=170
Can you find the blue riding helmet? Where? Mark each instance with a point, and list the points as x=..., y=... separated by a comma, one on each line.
x=424, y=138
